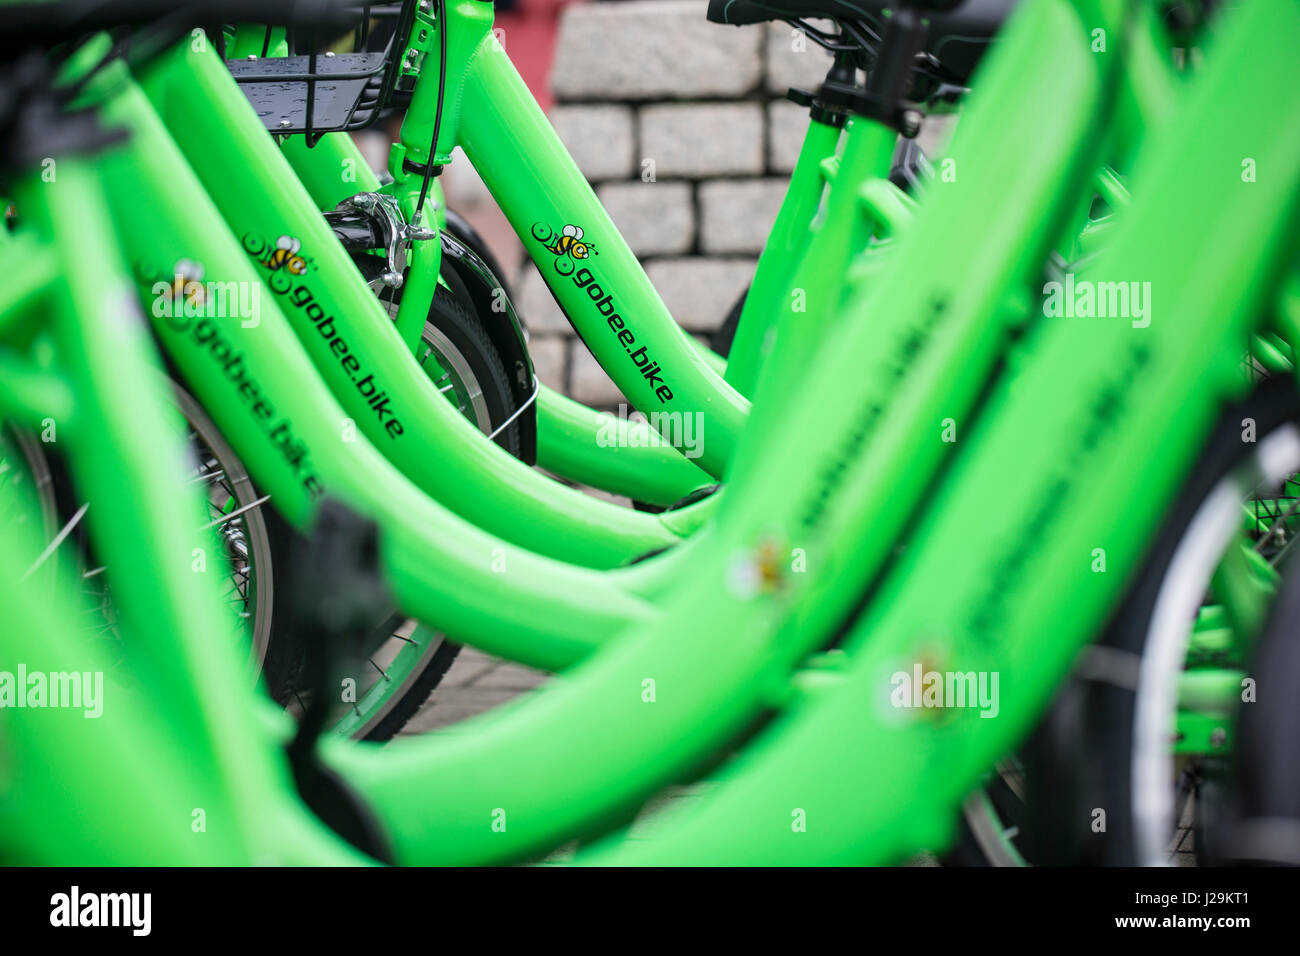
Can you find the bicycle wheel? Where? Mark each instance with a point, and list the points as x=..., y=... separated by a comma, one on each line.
x=458, y=355
x=396, y=669
x=236, y=515
x=1107, y=778
x=404, y=661
x=250, y=544
x=1261, y=822
x=235, y=539
x=28, y=484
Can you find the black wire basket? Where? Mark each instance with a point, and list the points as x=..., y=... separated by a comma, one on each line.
x=317, y=90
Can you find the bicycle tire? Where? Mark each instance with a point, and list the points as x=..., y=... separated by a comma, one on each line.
x=1081, y=758
x=1262, y=819
x=454, y=332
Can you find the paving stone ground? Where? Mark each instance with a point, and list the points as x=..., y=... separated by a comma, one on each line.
x=476, y=683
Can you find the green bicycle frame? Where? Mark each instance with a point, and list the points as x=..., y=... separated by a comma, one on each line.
x=480, y=483
x=260, y=388
x=387, y=396
x=798, y=543
x=129, y=462
x=632, y=461
x=980, y=574
x=269, y=351
x=489, y=112
x=1000, y=580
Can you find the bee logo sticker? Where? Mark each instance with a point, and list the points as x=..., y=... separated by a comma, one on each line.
x=568, y=246
x=285, y=256
x=283, y=259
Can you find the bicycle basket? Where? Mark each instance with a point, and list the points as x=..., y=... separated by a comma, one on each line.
x=314, y=90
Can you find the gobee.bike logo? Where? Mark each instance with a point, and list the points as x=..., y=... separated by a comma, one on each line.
x=285, y=261
x=199, y=330
x=570, y=248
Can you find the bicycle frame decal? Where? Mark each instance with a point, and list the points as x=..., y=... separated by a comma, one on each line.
x=535, y=181
x=603, y=302
x=285, y=255
x=569, y=248
x=1106, y=406
x=208, y=339
x=187, y=296
x=569, y=242
x=283, y=261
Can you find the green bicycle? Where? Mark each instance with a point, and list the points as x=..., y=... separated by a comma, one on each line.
x=1035, y=401
x=287, y=491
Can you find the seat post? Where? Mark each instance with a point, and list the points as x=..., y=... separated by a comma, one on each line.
x=891, y=76
x=830, y=104
x=883, y=97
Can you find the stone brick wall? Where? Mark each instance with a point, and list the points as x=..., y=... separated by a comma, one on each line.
x=682, y=127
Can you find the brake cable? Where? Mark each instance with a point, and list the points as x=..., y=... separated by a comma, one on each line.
x=440, y=11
